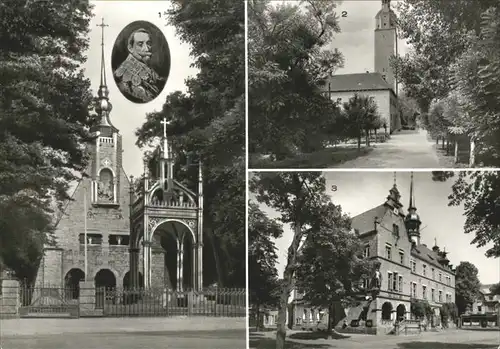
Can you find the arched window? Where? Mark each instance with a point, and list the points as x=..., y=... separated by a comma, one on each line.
x=386, y=311
x=105, y=187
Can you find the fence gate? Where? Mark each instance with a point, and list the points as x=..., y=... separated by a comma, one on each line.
x=49, y=302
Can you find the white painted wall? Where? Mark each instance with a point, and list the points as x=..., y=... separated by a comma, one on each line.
x=383, y=100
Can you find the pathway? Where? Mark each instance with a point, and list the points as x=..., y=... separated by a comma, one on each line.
x=405, y=149
x=123, y=333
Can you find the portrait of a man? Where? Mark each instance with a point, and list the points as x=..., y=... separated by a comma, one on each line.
x=141, y=62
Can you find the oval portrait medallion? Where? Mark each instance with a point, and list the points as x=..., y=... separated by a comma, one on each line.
x=140, y=61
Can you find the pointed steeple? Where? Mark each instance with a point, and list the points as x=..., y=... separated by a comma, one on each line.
x=412, y=220
x=412, y=197
x=166, y=161
x=103, y=106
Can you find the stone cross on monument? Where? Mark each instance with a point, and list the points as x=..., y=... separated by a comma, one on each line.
x=164, y=122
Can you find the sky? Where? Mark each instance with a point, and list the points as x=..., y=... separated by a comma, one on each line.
x=128, y=116
x=356, y=41
x=358, y=192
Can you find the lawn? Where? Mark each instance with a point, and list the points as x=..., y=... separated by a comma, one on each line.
x=321, y=159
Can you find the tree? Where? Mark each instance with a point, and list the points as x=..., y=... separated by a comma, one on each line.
x=495, y=289
x=288, y=61
x=262, y=257
x=361, y=115
x=478, y=193
x=45, y=121
x=408, y=109
x=448, y=311
x=421, y=309
x=455, y=50
x=208, y=122
x=467, y=285
x=331, y=266
x=475, y=80
x=300, y=198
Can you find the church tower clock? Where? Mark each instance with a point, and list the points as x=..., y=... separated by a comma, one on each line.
x=385, y=42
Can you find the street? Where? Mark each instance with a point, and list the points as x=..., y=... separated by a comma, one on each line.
x=449, y=339
x=123, y=333
x=405, y=149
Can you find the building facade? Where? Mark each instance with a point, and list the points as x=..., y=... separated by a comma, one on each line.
x=379, y=84
x=120, y=233
x=408, y=270
x=487, y=302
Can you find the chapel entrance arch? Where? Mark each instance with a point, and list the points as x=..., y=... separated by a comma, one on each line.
x=172, y=257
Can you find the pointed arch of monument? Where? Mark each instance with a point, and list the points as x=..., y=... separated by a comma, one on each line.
x=171, y=220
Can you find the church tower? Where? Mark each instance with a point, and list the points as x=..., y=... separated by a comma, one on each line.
x=385, y=42
x=412, y=220
x=106, y=155
x=93, y=231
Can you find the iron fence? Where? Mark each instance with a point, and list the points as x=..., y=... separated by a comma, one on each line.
x=164, y=302
x=49, y=301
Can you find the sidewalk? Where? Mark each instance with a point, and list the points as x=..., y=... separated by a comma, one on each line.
x=25, y=327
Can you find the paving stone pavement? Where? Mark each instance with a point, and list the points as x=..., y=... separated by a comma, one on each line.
x=19, y=327
x=124, y=333
x=451, y=339
x=405, y=149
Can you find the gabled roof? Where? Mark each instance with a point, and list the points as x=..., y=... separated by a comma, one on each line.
x=365, y=222
x=357, y=82
x=427, y=255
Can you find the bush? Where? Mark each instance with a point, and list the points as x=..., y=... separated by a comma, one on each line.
x=421, y=309
x=448, y=311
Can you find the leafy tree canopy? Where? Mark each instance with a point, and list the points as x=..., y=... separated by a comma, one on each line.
x=45, y=118
x=455, y=56
x=467, y=285
x=209, y=122
x=478, y=193
x=495, y=289
x=421, y=308
x=331, y=266
x=288, y=61
x=262, y=257
x=300, y=199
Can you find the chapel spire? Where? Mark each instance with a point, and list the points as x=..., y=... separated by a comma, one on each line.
x=103, y=106
x=166, y=161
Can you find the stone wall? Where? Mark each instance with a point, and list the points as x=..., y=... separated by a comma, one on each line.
x=102, y=220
